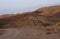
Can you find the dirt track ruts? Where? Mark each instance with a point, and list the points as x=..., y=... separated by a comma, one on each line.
x=26, y=33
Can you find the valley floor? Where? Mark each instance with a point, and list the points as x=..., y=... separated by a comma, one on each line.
x=27, y=33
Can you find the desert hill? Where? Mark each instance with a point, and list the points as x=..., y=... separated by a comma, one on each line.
x=28, y=19
x=43, y=23
x=42, y=16
x=49, y=10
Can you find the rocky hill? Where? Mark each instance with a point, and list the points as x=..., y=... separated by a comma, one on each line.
x=44, y=23
x=40, y=17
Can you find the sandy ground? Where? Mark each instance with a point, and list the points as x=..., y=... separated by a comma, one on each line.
x=26, y=33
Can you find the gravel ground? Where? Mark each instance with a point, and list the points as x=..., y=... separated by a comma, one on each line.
x=26, y=33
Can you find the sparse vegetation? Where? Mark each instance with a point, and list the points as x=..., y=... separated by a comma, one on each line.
x=1, y=24
x=36, y=18
x=48, y=33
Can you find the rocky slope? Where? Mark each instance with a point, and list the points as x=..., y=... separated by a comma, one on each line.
x=44, y=23
x=44, y=16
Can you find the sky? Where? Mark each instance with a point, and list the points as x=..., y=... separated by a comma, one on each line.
x=14, y=6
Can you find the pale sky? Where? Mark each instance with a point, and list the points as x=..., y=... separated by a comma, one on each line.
x=12, y=6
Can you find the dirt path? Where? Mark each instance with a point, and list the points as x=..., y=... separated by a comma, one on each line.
x=26, y=33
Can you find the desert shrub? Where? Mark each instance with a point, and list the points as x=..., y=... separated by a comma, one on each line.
x=39, y=22
x=45, y=24
x=2, y=23
x=48, y=33
x=58, y=24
